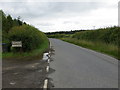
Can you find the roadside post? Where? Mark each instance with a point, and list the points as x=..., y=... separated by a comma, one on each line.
x=17, y=44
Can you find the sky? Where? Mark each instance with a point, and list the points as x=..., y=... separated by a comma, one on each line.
x=63, y=15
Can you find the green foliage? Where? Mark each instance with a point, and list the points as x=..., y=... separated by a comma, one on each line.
x=15, y=22
x=58, y=35
x=104, y=40
x=7, y=24
x=0, y=15
x=34, y=54
x=109, y=49
x=107, y=35
x=17, y=30
x=31, y=37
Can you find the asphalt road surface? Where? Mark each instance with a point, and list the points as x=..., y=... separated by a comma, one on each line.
x=77, y=67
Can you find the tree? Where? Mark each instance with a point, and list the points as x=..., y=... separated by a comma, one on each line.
x=19, y=21
x=4, y=21
x=15, y=22
x=9, y=23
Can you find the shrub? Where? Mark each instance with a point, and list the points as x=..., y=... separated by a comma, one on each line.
x=106, y=35
x=30, y=36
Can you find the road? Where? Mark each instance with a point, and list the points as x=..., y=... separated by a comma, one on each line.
x=77, y=67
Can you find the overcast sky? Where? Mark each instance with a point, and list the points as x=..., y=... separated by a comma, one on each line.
x=61, y=15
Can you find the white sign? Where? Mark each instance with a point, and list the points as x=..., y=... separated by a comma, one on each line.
x=16, y=43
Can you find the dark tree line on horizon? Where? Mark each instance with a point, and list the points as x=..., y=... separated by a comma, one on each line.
x=63, y=32
x=74, y=31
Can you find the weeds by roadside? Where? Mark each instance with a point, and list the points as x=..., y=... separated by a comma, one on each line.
x=37, y=53
x=109, y=49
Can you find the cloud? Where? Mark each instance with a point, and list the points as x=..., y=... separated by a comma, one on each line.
x=52, y=16
x=71, y=22
x=47, y=9
x=45, y=24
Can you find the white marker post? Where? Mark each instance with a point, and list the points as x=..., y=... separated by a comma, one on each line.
x=45, y=84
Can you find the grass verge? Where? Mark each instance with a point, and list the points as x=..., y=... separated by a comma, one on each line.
x=37, y=53
x=109, y=49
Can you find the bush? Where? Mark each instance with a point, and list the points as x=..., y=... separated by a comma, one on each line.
x=30, y=36
x=106, y=35
x=58, y=35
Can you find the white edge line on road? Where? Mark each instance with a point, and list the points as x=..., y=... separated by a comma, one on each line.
x=47, y=68
x=45, y=84
x=46, y=80
x=48, y=60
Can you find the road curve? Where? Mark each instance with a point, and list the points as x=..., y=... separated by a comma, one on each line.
x=77, y=67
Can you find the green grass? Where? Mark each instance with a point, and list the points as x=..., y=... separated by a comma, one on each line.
x=109, y=49
x=37, y=53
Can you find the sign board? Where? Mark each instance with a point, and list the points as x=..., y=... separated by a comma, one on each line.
x=16, y=43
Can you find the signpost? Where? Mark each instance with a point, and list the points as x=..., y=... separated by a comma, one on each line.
x=16, y=43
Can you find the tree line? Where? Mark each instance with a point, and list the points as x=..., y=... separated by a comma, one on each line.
x=7, y=23
x=17, y=30
x=108, y=35
x=63, y=32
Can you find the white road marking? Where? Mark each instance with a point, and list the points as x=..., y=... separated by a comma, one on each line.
x=45, y=84
x=12, y=83
x=48, y=60
x=15, y=73
x=47, y=68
